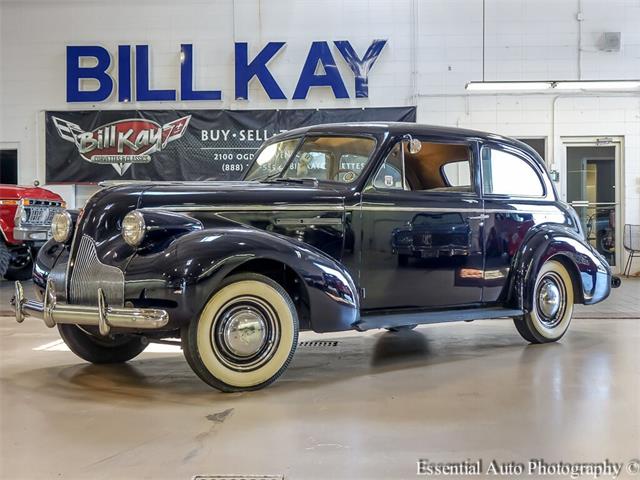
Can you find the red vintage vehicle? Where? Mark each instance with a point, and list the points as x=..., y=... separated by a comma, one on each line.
x=25, y=220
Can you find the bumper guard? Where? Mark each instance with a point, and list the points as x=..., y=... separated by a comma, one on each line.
x=102, y=316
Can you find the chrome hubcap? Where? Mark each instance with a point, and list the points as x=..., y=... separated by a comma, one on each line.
x=549, y=298
x=245, y=331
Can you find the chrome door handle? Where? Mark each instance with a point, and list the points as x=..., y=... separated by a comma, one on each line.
x=479, y=217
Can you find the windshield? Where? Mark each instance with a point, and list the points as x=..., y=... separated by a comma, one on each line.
x=272, y=160
x=337, y=159
x=331, y=158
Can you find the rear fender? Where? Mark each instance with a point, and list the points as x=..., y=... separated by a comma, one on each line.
x=184, y=275
x=589, y=270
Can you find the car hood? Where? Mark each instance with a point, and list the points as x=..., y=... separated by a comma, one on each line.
x=236, y=194
x=16, y=192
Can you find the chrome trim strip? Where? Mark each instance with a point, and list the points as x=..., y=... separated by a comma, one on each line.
x=339, y=208
x=308, y=221
x=247, y=208
x=384, y=208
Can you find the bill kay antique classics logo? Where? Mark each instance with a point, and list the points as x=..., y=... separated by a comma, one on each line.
x=122, y=142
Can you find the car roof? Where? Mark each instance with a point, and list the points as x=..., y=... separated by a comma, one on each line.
x=401, y=128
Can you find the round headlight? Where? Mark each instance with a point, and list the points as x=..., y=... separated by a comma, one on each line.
x=61, y=226
x=133, y=228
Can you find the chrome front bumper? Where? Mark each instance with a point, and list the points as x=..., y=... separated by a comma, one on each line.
x=101, y=315
x=33, y=233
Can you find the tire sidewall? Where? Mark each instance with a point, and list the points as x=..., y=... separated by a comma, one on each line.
x=542, y=332
x=97, y=350
x=209, y=366
x=5, y=258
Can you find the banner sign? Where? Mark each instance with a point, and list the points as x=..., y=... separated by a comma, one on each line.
x=92, y=146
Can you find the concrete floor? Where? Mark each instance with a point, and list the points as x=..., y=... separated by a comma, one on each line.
x=366, y=408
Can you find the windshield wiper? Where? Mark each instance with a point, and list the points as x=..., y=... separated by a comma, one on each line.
x=270, y=177
x=297, y=180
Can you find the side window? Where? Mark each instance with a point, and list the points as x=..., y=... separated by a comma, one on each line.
x=457, y=174
x=390, y=173
x=436, y=167
x=507, y=174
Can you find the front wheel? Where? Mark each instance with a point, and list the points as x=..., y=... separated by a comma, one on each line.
x=16, y=263
x=245, y=336
x=552, y=305
x=402, y=328
x=94, y=348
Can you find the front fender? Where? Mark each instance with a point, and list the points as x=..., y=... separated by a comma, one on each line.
x=589, y=270
x=188, y=271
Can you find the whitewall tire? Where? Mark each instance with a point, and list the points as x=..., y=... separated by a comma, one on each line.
x=552, y=305
x=245, y=336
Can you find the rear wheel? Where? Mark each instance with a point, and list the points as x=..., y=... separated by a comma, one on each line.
x=95, y=348
x=245, y=336
x=552, y=305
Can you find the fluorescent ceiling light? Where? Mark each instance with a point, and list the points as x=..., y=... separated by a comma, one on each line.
x=583, y=85
x=508, y=86
x=598, y=85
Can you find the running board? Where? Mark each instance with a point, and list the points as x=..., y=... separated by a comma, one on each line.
x=390, y=320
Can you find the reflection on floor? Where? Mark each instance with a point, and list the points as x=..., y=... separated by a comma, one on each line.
x=366, y=407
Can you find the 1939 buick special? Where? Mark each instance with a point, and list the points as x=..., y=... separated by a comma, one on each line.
x=335, y=227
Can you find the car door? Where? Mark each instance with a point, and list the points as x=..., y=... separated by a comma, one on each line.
x=421, y=228
x=517, y=195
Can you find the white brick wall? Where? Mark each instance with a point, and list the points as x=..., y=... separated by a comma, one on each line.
x=524, y=39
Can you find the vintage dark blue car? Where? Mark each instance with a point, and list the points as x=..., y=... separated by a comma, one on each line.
x=335, y=227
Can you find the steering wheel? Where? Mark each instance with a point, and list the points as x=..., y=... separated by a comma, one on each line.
x=346, y=172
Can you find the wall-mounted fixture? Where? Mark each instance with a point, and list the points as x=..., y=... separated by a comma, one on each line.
x=577, y=85
x=610, y=42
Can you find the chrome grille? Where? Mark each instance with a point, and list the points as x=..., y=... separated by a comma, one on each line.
x=39, y=215
x=89, y=274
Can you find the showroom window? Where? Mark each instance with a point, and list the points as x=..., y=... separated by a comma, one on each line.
x=504, y=173
x=539, y=145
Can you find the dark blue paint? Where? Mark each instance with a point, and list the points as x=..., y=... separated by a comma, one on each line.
x=186, y=78
x=465, y=263
x=246, y=70
x=360, y=66
x=143, y=92
x=75, y=73
x=320, y=53
x=124, y=73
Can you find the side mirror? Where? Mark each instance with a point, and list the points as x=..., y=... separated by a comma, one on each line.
x=413, y=144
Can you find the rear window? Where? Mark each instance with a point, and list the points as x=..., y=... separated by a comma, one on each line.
x=504, y=173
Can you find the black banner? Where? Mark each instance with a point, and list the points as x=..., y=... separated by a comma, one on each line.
x=91, y=146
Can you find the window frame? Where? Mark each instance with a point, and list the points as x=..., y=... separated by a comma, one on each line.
x=472, y=145
x=522, y=156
